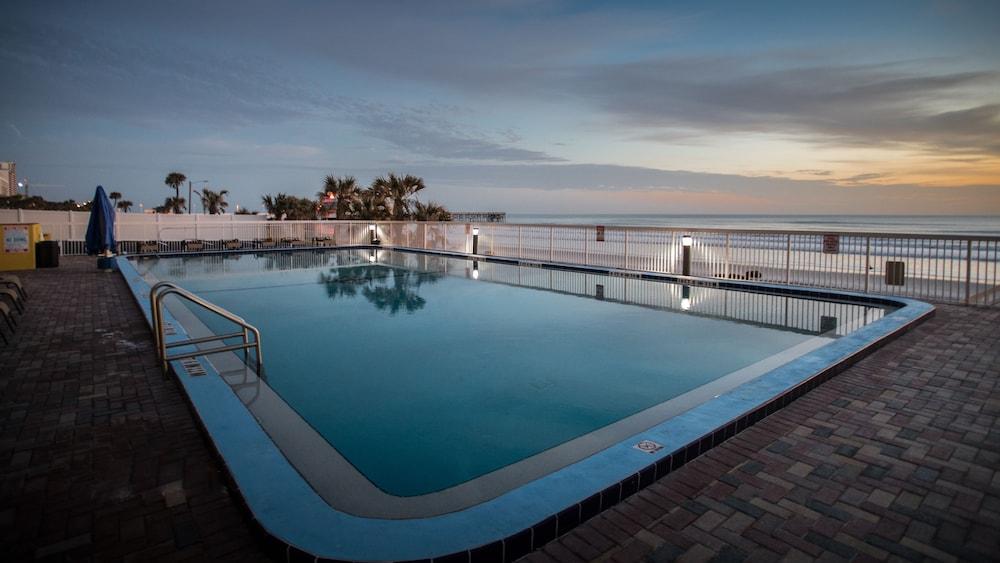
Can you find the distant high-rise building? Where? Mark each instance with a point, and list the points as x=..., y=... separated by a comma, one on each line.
x=8, y=179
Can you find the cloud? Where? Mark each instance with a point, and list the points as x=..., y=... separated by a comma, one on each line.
x=877, y=104
x=158, y=87
x=220, y=147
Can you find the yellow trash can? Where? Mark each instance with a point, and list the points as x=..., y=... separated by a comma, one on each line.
x=17, y=245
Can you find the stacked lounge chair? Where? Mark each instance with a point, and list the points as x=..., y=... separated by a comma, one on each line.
x=12, y=292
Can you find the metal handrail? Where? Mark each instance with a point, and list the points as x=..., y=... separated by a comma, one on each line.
x=162, y=289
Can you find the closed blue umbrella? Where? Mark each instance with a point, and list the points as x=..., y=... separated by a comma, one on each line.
x=101, y=229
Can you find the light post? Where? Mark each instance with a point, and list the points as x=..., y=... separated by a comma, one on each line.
x=189, y=193
x=373, y=230
x=24, y=184
x=475, y=240
x=686, y=242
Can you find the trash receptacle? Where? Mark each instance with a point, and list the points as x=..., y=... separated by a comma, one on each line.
x=47, y=254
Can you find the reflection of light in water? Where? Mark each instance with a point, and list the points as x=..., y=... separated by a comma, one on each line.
x=685, y=304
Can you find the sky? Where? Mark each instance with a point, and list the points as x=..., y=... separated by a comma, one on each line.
x=520, y=106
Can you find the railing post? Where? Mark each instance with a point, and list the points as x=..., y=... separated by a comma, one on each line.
x=868, y=261
x=788, y=258
x=727, y=268
x=519, y=241
x=968, y=271
x=626, y=248
x=551, y=233
x=586, y=249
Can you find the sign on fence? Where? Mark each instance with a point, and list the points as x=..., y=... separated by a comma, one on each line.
x=831, y=244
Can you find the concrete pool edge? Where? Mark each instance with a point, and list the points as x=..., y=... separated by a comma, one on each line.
x=287, y=510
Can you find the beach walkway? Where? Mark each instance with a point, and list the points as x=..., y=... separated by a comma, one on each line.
x=101, y=458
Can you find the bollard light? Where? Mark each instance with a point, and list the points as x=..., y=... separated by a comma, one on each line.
x=374, y=233
x=475, y=240
x=686, y=242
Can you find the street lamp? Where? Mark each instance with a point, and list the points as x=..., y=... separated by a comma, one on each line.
x=686, y=242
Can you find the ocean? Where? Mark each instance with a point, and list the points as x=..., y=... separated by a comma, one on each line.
x=915, y=224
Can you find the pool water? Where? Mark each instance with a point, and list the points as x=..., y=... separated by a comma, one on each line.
x=426, y=372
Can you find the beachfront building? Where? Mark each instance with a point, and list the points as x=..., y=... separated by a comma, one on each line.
x=8, y=179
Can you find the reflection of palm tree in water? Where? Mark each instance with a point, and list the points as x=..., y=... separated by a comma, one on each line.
x=387, y=288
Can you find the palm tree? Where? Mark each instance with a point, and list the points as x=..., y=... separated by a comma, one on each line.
x=174, y=180
x=430, y=211
x=124, y=205
x=175, y=205
x=214, y=203
x=371, y=204
x=400, y=191
x=115, y=196
x=346, y=191
x=284, y=206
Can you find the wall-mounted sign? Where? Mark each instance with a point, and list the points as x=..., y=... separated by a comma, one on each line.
x=831, y=244
x=600, y=233
x=15, y=239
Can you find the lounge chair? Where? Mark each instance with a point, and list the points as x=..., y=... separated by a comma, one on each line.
x=14, y=282
x=266, y=243
x=234, y=244
x=14, y=298
x=293, y=241
x=323, y=241
x=149, y=246
x=194, y=245
x=11, y=323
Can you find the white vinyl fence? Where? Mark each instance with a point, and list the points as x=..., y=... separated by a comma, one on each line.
x=943, y=268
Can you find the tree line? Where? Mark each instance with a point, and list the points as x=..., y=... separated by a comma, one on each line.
x=388, y=197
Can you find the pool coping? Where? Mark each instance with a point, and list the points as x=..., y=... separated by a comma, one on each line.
x=296, y=522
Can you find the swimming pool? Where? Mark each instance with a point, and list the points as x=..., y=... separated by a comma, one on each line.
x=423, y=390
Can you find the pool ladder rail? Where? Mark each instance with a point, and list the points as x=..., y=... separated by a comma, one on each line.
x=162, y=289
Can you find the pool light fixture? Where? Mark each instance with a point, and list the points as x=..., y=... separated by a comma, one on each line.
x=475, y=240
x=686, y=242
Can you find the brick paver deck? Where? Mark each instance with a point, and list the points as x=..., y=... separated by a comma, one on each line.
x=898, y=457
